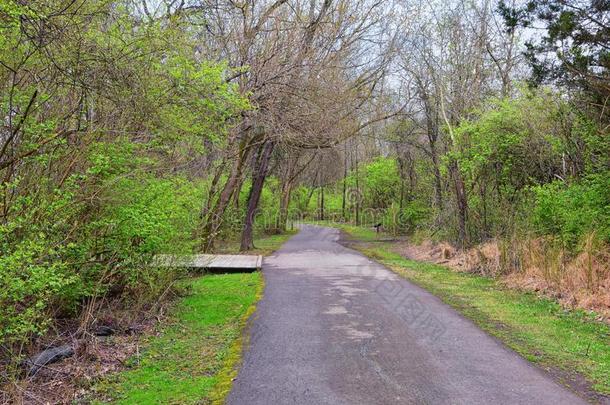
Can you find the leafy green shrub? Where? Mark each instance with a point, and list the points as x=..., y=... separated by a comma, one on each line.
x=379, y=183
x=525, y=143
x=407, y=220
x=152, y=215
x=32, y=279
x=105, y=121
x=50, y=261
x=571, y=211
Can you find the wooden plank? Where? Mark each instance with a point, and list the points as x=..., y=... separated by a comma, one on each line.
x=209, y=261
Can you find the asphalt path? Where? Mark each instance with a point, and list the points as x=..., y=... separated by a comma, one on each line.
x=335, y=327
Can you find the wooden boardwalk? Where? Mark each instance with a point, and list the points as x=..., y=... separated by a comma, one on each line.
x=210, y=262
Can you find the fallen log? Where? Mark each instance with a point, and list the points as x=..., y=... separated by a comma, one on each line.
x=48, y=356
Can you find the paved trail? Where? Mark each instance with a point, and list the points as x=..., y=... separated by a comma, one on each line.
x=337, y=328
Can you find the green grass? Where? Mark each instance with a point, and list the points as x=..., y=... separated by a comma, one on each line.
x=263, y=246
x=195, y=356
x=539, y=329
x=360, y=233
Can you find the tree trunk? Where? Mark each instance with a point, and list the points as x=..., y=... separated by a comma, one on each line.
x=284, y=203
x=431, y=111
x=483, y=192
x=309, y=196
x=322, y=203
x=259, y=174
x=213, y=218
x=401, y=171
x=402, y=194
x=357, y=191
x=438, y=188
x=205, y=209
x=237, y=193
x=344, y=181
x=462, y=204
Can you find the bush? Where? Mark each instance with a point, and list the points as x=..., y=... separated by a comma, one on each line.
x=379, y=183
x=105, y=121
x=32, y=279
x=570, y=211
x=53, y=255
x=407, y=220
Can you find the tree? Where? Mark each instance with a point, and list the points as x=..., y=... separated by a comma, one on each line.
x=452, y=58
x=107, y=114
x=574, y=50
x=306, y=98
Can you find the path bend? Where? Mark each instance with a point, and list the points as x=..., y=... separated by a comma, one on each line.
x=335, y=327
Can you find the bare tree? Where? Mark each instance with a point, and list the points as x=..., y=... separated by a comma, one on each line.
x=309, y=69
x=456, y=57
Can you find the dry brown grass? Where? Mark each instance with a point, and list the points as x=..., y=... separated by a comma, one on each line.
x=534, y=264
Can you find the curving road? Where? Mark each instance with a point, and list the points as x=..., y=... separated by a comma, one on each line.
x=337, y=328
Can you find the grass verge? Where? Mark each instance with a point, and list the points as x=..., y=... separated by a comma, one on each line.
x=195, y=356
x=569, y=344
x=262, y=246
